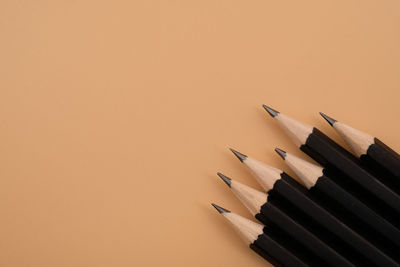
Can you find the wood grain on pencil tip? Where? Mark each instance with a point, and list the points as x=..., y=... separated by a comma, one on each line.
x=264, y=174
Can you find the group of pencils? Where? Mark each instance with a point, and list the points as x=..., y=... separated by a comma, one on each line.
x=346, y=211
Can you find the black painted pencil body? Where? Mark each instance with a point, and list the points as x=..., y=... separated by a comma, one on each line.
x=331, y=155
x=318, y=181
x=317, y=219
x=271, y=246
x=269, y=211
x=294, y=193
x=372, y=152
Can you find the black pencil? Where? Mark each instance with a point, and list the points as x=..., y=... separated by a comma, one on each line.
x=298, y=196
x=268, y=245
x=372, y=152
x=269, y=210
x=331, y=155
x=318, y=181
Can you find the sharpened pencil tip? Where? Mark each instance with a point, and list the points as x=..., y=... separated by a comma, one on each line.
x=280, y=153
x=219, y=209
x=271, y=111
x=328, y=119
x=239, y=155
x=227, y=180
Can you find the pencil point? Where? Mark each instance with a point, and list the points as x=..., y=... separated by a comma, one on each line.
x=328, y=119
x=271, y=111
x=219, y=209
x=239, y=155
x=280, y=153
x=227, y=180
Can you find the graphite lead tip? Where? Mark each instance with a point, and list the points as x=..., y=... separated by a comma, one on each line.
x=280, y=153
x=227, y=180
x=219, y=209
x=328, y=119
x=239, y=155
x=271, y=111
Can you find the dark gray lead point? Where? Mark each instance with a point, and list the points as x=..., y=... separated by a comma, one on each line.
x=328, y=119
x=220, y=209
x=227, y=180
x=239, y=155
x=271, y=111
x=280, y=153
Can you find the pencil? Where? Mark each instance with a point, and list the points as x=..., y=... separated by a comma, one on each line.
x=331, y=155
x=298, y=196
x=270, y=210
x=320, y=182
x=372, y=152
x=265, y=243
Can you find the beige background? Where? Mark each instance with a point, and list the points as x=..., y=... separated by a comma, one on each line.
x=116, y=115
